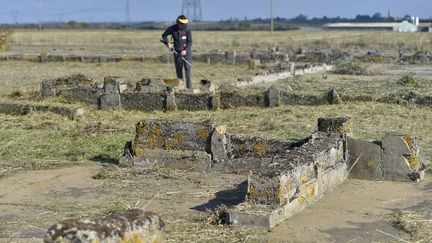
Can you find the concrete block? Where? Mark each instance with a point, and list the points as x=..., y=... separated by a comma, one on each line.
x=110, y=101
x=215, y=102
x=43, y=57
x=172, y=135
x=342, y=125
x=170, y=102
x=47, y=89
x=192, y=102
x=231, y=57
x=278, y=184
x=333, y=97
x=14, y=109
x=132, y=225
x=395, y=143
x=152, y=101
x=219, y=143
x=85, y=94
x=401, y=160
x=367, y=159
x=292, y=68
x=112, y=84
x=274, y=96
x=395, y=167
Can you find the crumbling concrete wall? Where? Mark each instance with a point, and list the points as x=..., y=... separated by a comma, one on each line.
x=285, y=176
x=129, y=226
x=13, y=108
x=296, y=177
x=395, y=158
x=200, y=146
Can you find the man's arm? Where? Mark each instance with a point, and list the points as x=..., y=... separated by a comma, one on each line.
x=165, y=35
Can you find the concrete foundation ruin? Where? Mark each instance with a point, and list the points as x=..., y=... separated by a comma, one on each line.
x=129, y=226
x=284, y=176
x=231, y=57
x=168, y=94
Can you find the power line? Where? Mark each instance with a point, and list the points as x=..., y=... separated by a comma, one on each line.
x=271, y=16
x=127, y=13
x=15, y=16
x=192, y=9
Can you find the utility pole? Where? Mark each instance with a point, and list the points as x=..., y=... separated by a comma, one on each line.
x=127, y=14
x=39, y=13
x=192, y=9
x=15, y=16
x=271, y=16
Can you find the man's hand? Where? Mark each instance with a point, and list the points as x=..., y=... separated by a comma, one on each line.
x=170, y=46
x=183, y=53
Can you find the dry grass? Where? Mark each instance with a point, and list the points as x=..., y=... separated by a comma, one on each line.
x=148, y=41
x=27, y=76
x=43, y=140
x=5, y=38
x=414, y=223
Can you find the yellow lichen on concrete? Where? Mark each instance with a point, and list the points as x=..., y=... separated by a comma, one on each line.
x=259, y=148
x=202, y=133
x=141, y=128
x=155, y=140
x=168, y=145
x=346, y=128
x=305, y=177
x=138, y=150
x=413, y=161
x=263, y=194
x=308, y=193
x=178, y=138
x=283, y=190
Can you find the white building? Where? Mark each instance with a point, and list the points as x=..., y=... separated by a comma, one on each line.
x=403, y=26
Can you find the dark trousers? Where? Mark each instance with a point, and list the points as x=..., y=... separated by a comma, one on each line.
x=179, y=64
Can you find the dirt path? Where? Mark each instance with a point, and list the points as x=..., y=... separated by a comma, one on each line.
x=353, y=212
x=31, y=201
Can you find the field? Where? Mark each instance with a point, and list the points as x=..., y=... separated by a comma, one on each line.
x=52, y=168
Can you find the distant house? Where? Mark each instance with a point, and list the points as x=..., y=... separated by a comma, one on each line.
x=403, y=26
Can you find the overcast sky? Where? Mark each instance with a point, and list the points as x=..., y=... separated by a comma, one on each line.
x=29, y=11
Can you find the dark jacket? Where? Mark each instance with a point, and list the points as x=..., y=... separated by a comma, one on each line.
x=182, y=38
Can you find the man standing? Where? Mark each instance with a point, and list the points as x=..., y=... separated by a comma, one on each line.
x=182, y=38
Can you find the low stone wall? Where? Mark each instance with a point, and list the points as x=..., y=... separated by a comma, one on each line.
x=199, y=146
x=283, y=73
x=329, y=56
x=147, y=95
x=12, y=108
x=129, y=226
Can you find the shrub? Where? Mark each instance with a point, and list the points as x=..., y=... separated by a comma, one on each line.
x=408, y=80
x=349, y=67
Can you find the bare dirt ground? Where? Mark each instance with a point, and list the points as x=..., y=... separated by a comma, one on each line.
x=356, y=211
